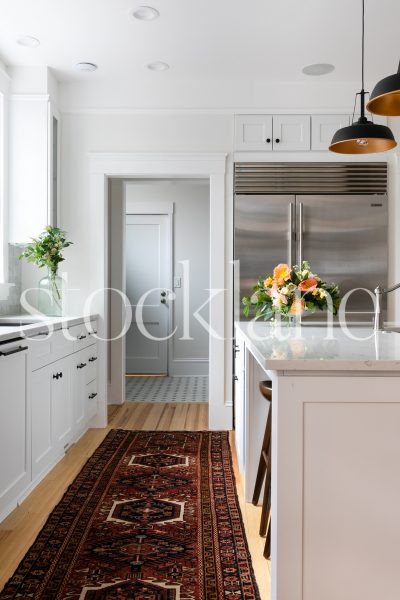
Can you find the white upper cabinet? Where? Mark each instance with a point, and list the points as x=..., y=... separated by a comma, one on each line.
x=264, y=133
x=253, y=132
x=291, y=133
x=323, y=127
x=33, y=166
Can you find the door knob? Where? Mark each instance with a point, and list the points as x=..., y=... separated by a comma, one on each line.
x=163, y=300
x=163, y=294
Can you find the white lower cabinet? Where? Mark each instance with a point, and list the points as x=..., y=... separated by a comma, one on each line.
x=15, y=467
x=52, y=414
x=240, y=405
x=84, y=372
x=61, y=404
x=48, y=395
x=61, y=409
x=91, y=399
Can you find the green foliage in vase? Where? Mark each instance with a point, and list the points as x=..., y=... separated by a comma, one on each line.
x=46, y=249
x=291, y=292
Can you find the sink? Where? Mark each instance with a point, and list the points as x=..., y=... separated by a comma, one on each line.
x=16, y=323
x=19, y=320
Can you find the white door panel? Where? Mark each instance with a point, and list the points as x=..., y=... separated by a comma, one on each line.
x=147, y=278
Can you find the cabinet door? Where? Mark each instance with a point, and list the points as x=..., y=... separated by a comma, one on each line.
x=61, y=404
x=79, y=370
x=42, y=445
x=291, y=133
x=323, y=128
x=253, y=132
x=15, y=472
x=240, y=403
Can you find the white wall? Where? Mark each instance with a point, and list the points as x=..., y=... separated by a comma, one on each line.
x=191, y=243
x=100, y=132
x=158, y=131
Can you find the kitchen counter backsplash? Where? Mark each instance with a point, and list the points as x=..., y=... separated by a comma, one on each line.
x=11, y=304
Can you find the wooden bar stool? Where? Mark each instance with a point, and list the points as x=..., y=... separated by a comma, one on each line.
x=264, y=473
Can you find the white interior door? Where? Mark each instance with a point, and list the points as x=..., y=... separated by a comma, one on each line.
x=148, y=263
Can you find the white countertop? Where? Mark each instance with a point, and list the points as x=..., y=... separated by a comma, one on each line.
x=40, y=324
x=309, y=348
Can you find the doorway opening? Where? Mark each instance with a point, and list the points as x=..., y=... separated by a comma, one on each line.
x=160, y=240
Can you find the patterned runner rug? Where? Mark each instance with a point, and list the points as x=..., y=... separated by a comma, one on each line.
x=151, y=516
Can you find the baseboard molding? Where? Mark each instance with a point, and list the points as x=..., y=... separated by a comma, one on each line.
x=187, y=367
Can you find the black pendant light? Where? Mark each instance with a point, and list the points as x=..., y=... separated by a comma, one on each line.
x=385, y=97
x=362, y=136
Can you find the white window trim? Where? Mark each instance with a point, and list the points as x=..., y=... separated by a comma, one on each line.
x=4, y=89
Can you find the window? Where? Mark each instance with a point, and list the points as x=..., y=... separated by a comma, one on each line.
x=4, y=86
x=3, y=231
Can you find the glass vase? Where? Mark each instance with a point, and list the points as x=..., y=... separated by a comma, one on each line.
x=50, y=300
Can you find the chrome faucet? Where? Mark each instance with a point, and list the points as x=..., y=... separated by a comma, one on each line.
x=379, y=291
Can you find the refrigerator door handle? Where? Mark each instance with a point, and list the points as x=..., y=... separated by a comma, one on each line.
x=292, y=235
x=300, y=233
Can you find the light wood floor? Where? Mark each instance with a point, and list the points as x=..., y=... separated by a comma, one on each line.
x=20, y=529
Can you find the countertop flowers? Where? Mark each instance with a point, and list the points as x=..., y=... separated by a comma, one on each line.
x=291, y=292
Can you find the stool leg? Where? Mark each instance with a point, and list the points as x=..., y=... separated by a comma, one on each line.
x=262, y=466
x=267, y=547
x=266, y=506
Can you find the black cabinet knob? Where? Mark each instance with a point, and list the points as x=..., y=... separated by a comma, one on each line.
x=268, y=140
x=81, y=365
x=55, y=376
x=277, y=141
x=93, y=358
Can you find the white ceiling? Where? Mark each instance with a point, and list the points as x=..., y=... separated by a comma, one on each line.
x=263, y=40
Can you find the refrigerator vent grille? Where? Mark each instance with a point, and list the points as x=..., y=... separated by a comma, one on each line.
x=310, y=178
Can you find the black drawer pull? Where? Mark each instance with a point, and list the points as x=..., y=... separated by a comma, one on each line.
x=92, y=332
x=91, y=396
x=14, y=351
x=81, y=365
x=93, y=359
x=57, y=375
x=81, y=337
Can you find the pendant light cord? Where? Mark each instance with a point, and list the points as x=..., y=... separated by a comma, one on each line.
x=362, y=61
x=362, y=44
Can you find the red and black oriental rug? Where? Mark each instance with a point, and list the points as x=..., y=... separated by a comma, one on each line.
x=151, y=516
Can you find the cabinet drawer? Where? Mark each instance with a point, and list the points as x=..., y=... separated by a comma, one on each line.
x=48, y=347
x=83, y=335
x=92, y=360
x=91, y=400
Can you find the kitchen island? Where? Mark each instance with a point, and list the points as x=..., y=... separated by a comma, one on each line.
x=335, y=456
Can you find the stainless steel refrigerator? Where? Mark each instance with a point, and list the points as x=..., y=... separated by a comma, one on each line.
x=343, y=236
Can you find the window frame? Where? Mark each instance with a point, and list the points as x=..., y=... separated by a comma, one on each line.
x=4, y=94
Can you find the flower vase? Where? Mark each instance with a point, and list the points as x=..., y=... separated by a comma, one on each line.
x=50, y=300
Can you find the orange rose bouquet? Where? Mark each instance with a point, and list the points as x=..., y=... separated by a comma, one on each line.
x=290, y=292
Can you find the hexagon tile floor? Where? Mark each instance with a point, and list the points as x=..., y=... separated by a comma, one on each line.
x=167, y=389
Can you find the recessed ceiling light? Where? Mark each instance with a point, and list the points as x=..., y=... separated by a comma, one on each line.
x=318, y=69
x=158, y=65
x=86, y=67
x=28, y=41
x=145, y=13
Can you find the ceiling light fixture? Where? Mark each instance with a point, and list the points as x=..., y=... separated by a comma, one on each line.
x=362, y=136
x=145, y=13
x=87, y=67
x=385, y=97
x=318, y=69
x=158, y=65
x=28, y=41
